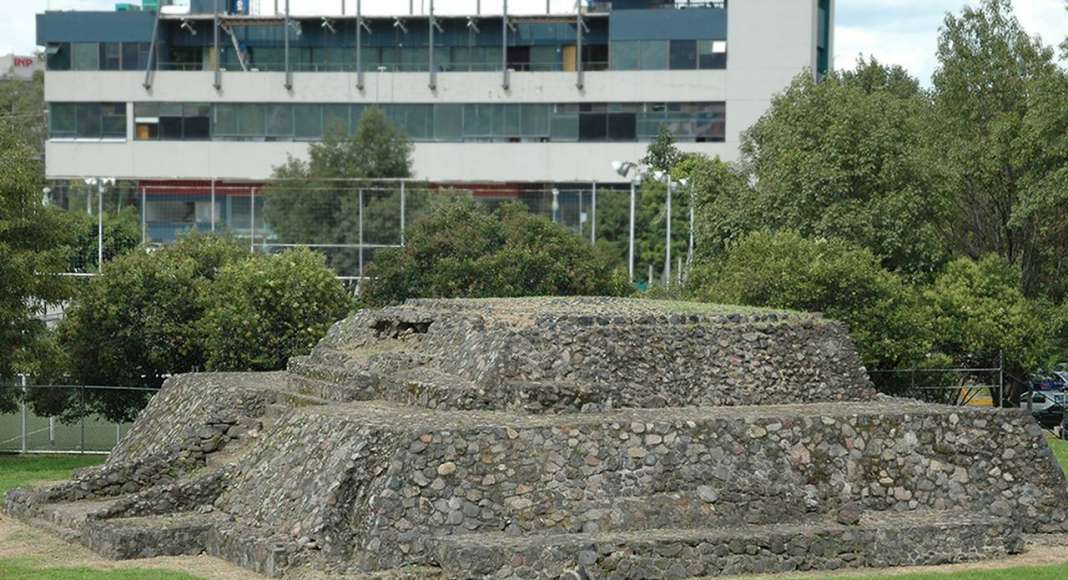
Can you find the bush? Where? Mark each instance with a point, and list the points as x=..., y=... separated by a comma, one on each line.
x=122, y=234
x=266, y=309
x=835, y=277
x=462, y=250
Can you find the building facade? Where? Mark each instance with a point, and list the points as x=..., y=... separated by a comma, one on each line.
x=15, y=67
x=189, y=94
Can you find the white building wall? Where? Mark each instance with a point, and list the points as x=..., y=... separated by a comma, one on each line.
x=769, y=43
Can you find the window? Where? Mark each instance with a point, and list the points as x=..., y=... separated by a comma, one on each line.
x=624, y=55
x=279, y=122
x=85, y=56
x=87, y=121
x=535, y=121
x=225, y=120
x=58, y=56
x=448, y=122
x=478, y=121
x=251, y=120
x=683, y=54
x=654, y=55
x=711, y=54
x=110, y=56
x=622, y=127
x=308, y=121
x=196, y=125
x=135, y=55
x=172, y=121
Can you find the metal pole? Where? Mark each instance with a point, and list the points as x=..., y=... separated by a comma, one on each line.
x=100, y=228
x=667, y=248
x=144, y=216
x=252, y=223
x=402, y=209
x=630, y=237
x=213, y=205
x=1001, y=381
x=580, y=212
x=579, y=77
x=360, y=223
x=82, y=388
x=23, y=413
x=593, y=215
x=289, y=69
x=433, y=74
x=504, y=46
x=689, y=250
x=359, y=47
x=218, y=55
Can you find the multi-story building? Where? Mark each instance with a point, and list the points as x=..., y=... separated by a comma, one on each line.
x=192, y=94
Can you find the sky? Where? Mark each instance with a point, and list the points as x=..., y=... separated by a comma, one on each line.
x=903, y=32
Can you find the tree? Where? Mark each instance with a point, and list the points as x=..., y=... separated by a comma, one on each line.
x=845, y=157
x=311, y=202
x=977, y=312
x=31, y=255
x=463, y=250
x=1001, y=127
x=22, y=106
x=122, y=233
x=832, y=276
x=266, y=309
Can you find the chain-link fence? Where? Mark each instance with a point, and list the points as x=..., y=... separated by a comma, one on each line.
x=66, y=418
x=350, y=221
x=978, y=387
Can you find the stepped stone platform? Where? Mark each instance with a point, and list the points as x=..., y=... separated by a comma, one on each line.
x=549, y=438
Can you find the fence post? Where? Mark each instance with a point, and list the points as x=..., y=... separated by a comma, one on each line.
x=100, y=230
x=593, y=216
x=144, y=216
x=22, y=413
x=252, y=223
x=212, y=205
x=359, y=213
x=402, y=219
x=82, y=389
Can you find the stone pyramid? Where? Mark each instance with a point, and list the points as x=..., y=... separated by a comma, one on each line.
x=549, y=438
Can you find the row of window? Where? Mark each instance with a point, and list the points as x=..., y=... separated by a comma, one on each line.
x=624, y=55
x=472, y=122
x=98, y=56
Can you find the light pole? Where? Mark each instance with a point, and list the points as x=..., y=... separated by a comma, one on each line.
x=101, y=185
x=666, y=176
x=556, y=206
x=689, y=249
x=625, y=168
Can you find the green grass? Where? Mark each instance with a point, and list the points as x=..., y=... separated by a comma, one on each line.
x=1056, y=572
x=23, y=470
x=1060, y=451
x=27, y=569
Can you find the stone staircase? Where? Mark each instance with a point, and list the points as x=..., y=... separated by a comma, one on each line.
x=556, y=438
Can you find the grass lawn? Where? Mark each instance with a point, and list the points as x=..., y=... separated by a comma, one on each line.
x=1057, y=572
x=27, y=569
x=22, y=470
x=1060, y=451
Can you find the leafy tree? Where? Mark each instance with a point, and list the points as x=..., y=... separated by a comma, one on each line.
x=22, y=106
x=832, y=276
x=1003, y=134
x=31, y=255
x=845, y=157
x=463, y=250
x=266, y=309
x=136, y=324
x=976, y=311
x=122, y=233
x=310, y=202
x=662, y=155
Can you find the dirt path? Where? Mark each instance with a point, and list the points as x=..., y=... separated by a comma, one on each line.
x=18, y=540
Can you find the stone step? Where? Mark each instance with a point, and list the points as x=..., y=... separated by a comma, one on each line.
x=181, y=534
x=887, y=539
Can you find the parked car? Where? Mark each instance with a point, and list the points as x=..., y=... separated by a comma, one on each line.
x=1046, y=406
x=1052, y=381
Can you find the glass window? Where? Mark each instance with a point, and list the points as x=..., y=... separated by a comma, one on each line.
x=110, y=56
x=89, y=125
x=113, y=120
x=711, y=54
x=535, y=120
x=506, y=121
x=653, y=55
x=478, y=121
x=225, y=120
x=624, y=55
x=545, y=58
x=448, y=122
x=63, y=120
x=353, y=116
x=280, y=121
x=683, y=54
x=135, y=55
x=251, y=120
x=197, y=123
x=460, y=58
x=593, y=127
x=564, y=126
x=58, y=56
x=622, y=127
x=418, y=121
x=85, y=56
x=146, y=121
x=308, y=121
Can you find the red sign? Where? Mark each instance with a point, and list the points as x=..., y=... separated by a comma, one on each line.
x=23, y=62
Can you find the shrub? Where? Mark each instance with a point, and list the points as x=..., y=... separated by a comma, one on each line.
x=268, y=308
x=463, y=250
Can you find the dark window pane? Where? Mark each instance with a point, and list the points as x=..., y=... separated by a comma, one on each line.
x=280, y=121
x=711, y=54
x=622, y=127
x=113, y=120
x=85, y=56
x=63, y=120
x=197, y=124
x=683, y=54
x=110, y=56
x=89, y=124
x=132, y=55
x=170, y=128
x=59, y=56
x=592, y=127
